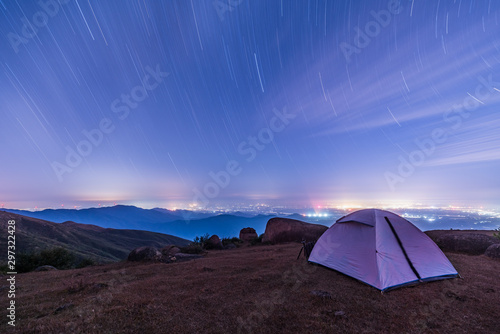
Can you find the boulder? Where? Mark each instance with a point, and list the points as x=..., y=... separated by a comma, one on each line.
x=248, y=234
x=145, y=254
x=230, y=246
x=170, y=250
x=468, y=243
x=214, y=242
x=45, y=268
x=285, y=230
x=493, y=251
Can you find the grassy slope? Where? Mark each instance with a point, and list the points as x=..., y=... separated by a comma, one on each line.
x=84, y=240
x=255, y=289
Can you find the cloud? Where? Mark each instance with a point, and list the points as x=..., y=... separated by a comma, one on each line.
x=479, y=142
x=415, y=89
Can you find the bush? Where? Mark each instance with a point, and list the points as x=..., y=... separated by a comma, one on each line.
x=86, y=262
x=257, y=241
x=201, y=240
x=235, y=240
x=4, y=269
x=57, y=257
x=192, y=248
x=497, y=235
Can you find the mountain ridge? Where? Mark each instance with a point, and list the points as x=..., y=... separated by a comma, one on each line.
x=182, y=223
x=98, y=243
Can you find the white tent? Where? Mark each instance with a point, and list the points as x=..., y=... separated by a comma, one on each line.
x=381, y=249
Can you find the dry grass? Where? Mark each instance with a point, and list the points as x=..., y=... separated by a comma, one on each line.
x=252, y=289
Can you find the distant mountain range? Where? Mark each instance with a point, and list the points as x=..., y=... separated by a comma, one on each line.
x=91, y=241
x=189, y=224
x=119, y=216
x=223, y=225
x=182, y=223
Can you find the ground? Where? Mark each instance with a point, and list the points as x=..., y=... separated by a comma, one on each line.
x=260, y=289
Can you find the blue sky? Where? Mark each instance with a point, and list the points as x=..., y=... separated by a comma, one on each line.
x=387, y=102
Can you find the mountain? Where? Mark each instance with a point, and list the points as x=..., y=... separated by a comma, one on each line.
x=118, y=216
x=183, y=223
x=223, y=225
x=100, y=244
x=185, y=214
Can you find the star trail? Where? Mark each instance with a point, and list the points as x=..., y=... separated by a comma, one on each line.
x=201, y=103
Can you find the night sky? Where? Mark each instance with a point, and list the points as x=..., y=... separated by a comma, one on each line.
x=171, y=103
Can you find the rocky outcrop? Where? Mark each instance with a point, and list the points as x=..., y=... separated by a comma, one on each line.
x=468, y=243
x=248, y=234
x=214, y=242
x=493, y=251
x=170, y=250
x=168, y=254
x=145, y=254
x=285, y=230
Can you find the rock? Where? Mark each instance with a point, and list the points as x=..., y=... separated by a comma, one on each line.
x=248, y=234
x=285, y=230
x=322, y=294
x=468, y=243
x=339, y=313
x=493, y=251
x=170, y=250
x=214, y=243
x=145, y=254
x=45, y=268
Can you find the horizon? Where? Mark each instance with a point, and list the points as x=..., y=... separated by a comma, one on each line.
x=198, y=106
x=263, y=207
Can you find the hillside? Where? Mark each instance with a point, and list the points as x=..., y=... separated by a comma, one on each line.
x=261, y=289
x=100, y=244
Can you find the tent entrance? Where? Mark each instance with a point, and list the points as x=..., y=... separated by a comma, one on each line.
x=403, y=249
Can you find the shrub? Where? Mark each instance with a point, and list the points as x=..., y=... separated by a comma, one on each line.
x=85, y=263
x=497, y=235
x=192, y=248
x=257, y=241
x=57, y=257
x=201, y=240
x=4, y=269
x=235, y=240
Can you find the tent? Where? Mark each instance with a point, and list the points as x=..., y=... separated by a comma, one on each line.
x=381, y=249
